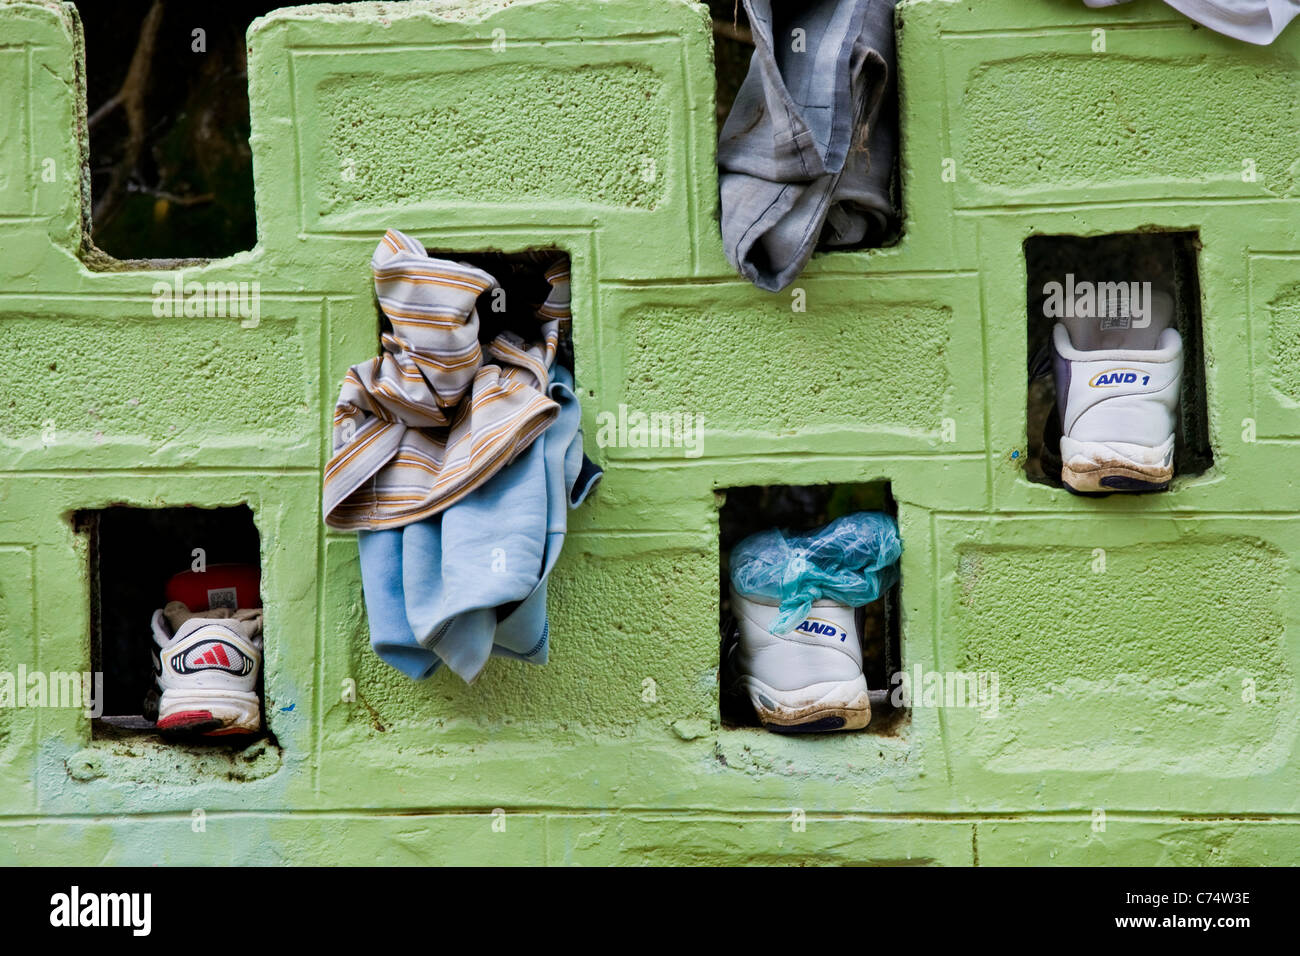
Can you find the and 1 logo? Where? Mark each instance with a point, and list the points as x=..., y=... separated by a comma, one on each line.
x=1118, y=376
x=816, y=625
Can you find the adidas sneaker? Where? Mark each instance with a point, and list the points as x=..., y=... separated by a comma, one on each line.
x=809, y=679
x=206, y=670
x=1118, y=410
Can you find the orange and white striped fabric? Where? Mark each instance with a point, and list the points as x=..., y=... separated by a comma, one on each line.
x=433, y=417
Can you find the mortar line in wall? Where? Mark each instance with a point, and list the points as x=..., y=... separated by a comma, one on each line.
x=1188, y=514
x=732, y=280
x=367, y=233
x=641, y=533
x=1048, y=206
x=312, y=298
x=659, y=464
x=988, y=397
x=948, y=190
x=692, y=188
x=669, y=813
x=1250, y=338
x=224, y=471
x=1027, y=32
x=935, y=598
x=592, y=298
x=601, y=532
x=34, y=604
x=326, y=422
x=31, y=129
x=477, y=46
x=297, y=142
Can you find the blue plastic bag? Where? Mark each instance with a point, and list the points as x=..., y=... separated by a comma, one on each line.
x=852, y=560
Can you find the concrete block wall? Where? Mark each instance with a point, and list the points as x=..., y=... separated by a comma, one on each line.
x=1148, y=713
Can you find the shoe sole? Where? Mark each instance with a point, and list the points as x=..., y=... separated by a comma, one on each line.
x=1105, y=477
x=1100, y=468
x=842, y=705
x=211, y=713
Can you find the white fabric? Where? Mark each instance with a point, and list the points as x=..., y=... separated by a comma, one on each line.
x=1254, y=21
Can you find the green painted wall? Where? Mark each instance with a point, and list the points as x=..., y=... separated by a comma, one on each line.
x=591, y=125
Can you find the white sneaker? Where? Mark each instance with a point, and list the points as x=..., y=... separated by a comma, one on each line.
x=206, y=674
x=1117, y=411
x=809, y=679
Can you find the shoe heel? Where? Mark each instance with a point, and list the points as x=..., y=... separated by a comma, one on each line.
x=212, y=714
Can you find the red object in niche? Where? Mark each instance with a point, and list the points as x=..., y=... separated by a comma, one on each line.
x=222, y=585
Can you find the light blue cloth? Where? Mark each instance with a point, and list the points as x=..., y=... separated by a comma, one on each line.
x=470, y=582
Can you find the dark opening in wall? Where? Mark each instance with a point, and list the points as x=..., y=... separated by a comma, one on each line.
x=134, y=553
x=1097, y=289
x=524, y=287
x=733, y=50
x=167, y=100
x=800, y=509
x=733, y=47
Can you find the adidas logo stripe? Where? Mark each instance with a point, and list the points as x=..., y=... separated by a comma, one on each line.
x=213, y=654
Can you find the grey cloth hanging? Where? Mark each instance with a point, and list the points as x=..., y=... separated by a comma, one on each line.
x=807, y=151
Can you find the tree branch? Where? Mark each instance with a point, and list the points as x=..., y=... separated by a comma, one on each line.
x=131, y=99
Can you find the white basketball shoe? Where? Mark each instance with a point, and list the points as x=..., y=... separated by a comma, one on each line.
x=809, y=679
x=1118, y=412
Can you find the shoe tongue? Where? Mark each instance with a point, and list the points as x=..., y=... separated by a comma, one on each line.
x=184, y=622
x=1070, y=339
x=1133, y=318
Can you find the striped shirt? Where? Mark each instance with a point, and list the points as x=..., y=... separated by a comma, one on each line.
x=436, y=414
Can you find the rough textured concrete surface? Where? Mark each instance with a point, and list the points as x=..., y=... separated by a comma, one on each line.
x=675, y=359
x=1067, y=121
x=1144, y=648
x=497, y=135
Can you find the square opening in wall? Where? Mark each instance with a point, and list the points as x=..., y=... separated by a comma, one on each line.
x=170, y=169
x=865, y=211
x=176, y=592
x=1116, y=398
x=828, y=666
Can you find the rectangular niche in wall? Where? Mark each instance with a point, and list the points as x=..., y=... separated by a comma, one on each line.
x=877, y=183
x=134, y=553
x=1113, y=293
x=170, y=170
x=799, y=509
